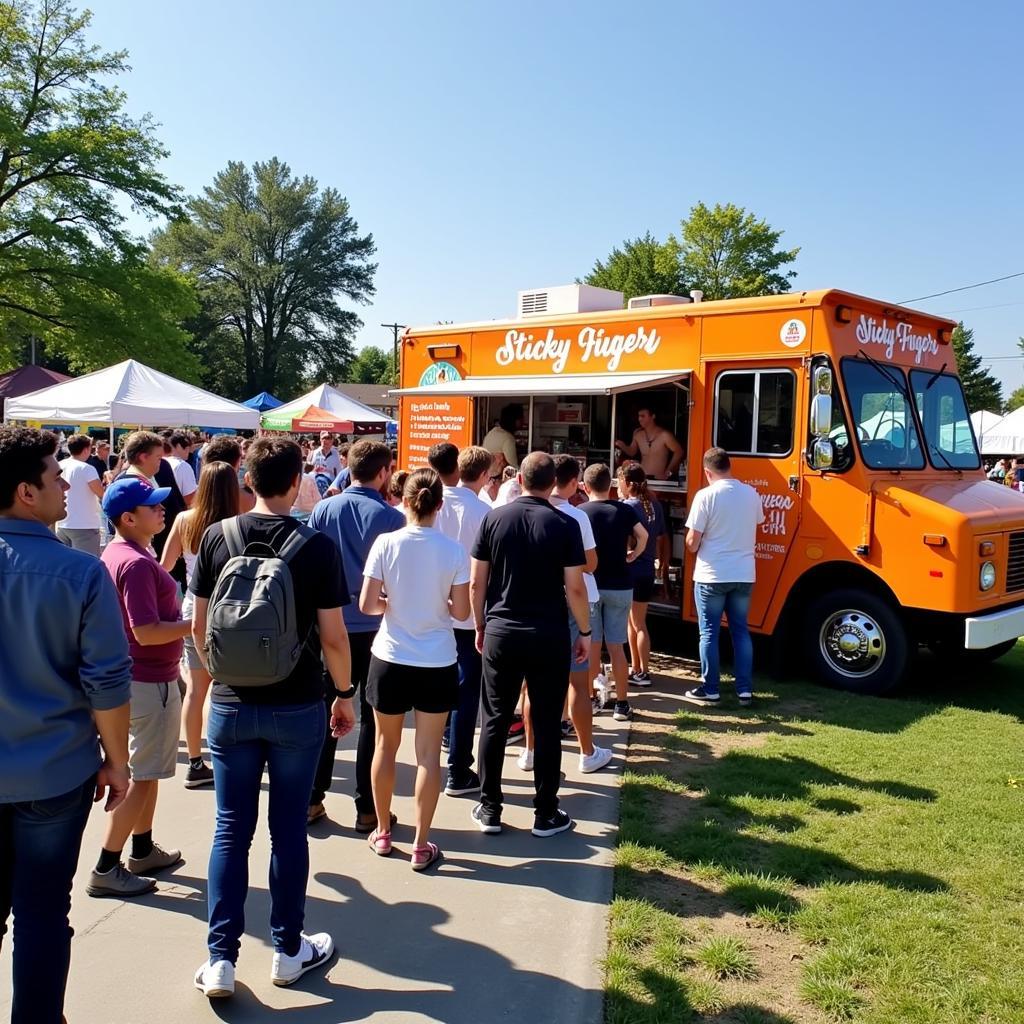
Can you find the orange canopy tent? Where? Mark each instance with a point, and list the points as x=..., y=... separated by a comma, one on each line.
x=315, y=419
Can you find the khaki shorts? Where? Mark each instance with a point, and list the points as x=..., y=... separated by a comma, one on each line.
x=153, y=730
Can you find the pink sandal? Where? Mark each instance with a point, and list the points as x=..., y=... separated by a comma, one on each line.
x=380, y=843
x=424, y=856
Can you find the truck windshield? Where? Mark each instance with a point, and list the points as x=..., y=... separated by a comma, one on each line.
x=882, y=416
x=947, y=425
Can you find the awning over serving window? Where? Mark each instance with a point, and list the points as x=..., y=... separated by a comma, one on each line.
x=549, y=384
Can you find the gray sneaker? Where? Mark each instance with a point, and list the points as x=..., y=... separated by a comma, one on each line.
x=156, y=860
x=119, y=882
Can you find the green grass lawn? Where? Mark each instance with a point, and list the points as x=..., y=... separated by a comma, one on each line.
x=824, y=857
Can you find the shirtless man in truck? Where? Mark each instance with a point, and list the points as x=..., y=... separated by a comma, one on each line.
x=660, y=453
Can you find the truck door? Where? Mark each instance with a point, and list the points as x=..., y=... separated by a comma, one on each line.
x=751, y=413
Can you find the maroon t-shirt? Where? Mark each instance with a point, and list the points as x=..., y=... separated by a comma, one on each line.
x=148, y=594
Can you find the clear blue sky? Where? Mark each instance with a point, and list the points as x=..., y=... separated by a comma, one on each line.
x=492, y=147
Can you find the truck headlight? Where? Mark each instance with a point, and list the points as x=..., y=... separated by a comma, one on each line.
x=987, y=579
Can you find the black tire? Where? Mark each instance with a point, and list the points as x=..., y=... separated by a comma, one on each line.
x=856, y=641
x=961, y=656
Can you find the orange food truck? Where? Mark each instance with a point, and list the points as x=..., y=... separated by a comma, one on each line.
x=881, y=532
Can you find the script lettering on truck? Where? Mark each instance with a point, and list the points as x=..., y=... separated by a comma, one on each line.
x=593, y=344
x=871, y=332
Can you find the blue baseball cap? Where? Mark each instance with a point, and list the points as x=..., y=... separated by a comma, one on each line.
x=130, y=492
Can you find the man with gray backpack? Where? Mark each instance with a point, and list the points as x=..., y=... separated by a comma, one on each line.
x=268, y=598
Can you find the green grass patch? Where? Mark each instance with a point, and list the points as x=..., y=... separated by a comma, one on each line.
x=878, y=840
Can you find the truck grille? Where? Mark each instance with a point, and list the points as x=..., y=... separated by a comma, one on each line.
x=1015, y=563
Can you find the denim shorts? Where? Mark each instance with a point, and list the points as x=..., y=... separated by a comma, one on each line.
x=574, y=632
x=611, y=623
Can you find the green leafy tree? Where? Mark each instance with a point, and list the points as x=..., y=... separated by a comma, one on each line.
x=71, y=160
x=372, y=365
x=272, y=254
x=642, y=266
x=728, y=253
x=1015, y=401
x=981, y=389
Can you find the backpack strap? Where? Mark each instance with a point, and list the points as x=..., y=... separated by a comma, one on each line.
x=233, y=537
x=294, y=544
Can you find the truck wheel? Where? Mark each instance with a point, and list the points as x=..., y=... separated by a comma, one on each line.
x=855, y=641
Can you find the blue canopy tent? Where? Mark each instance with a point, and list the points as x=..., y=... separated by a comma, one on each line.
x=262, y=402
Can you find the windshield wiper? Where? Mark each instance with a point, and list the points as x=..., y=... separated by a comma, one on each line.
x=935, y=376
x=895, y=381
x=942, y=455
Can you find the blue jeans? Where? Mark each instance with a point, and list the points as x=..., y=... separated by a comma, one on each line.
x=39, y=845
x=243, y=738
x=733, y=599
x=462, y=727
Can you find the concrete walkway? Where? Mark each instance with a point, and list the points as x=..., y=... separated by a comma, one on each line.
x=507, y=927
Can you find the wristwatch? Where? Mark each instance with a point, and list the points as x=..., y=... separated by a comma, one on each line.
x=585, y=632
x=345, y=694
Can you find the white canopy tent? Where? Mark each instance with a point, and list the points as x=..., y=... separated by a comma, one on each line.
x=1006, y=438
x=331, y=400
x=984, y=421
x=131, y=393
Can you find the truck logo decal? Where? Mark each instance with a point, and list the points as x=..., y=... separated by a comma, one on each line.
x=793, y=333
x=870, y=332
x=519, y=346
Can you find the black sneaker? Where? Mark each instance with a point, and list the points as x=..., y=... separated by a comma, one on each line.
x=460, y=786
x=445, y=741
x=567, y=729
x=488, y=823
x=701, y=696
x=745, y=697
x=623, y=712
x=558, y=822
x=202, y=775
x=640, y=678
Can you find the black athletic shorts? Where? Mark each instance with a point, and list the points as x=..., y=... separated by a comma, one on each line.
x=643, y=590
x=395, y=689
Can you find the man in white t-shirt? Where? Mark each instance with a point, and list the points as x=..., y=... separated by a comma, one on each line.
x=501, y=438
x=184, y=475
x=80, y=528
x=326, y=460
x=722, y=532
x=463, y=475
x=581, y=710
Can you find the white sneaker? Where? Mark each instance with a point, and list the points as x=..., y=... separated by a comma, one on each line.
x=216, y=980
x=525, y=760
x=595, y=761
x=314, y=951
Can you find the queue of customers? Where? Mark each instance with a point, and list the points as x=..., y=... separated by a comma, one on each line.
x=452, y=606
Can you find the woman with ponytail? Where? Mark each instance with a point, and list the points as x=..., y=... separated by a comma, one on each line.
x=633, y=488
x=418, y=579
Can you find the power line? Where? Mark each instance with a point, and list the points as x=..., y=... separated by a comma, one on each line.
x=975, y=309
x=964, y=288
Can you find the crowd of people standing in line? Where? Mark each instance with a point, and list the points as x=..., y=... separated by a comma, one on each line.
x=432, y=597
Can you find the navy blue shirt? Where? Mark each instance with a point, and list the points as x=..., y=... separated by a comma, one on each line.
x=354, y=519
x=642, y=568
x=63, y=654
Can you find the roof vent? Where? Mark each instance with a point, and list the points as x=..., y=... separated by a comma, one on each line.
x=567, y=298
x=646, y=301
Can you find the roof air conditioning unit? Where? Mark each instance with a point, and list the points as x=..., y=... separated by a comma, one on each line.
x=646, y=301
x=567, y=298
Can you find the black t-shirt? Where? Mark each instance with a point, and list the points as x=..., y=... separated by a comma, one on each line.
x=528, y=544
x=97, y=463
x=318, y=580
x=613, y=523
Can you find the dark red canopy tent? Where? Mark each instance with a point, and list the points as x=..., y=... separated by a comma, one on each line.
x=25, y=380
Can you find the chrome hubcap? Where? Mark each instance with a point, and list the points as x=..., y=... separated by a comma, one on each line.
x=852, y=642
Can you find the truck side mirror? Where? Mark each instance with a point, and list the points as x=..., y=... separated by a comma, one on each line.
x=822, y=454
x=822, y=380
x=821, y=414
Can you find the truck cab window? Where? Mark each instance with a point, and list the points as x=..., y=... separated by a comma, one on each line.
x=882, y=416
x=947, y=423
x=754, y=412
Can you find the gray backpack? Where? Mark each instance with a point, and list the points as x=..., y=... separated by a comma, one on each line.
x=252, y=636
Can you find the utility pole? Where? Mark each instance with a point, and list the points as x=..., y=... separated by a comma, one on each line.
x=395, y=328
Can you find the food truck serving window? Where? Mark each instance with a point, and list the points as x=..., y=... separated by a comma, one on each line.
x=754, y=412
x=947, y=424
